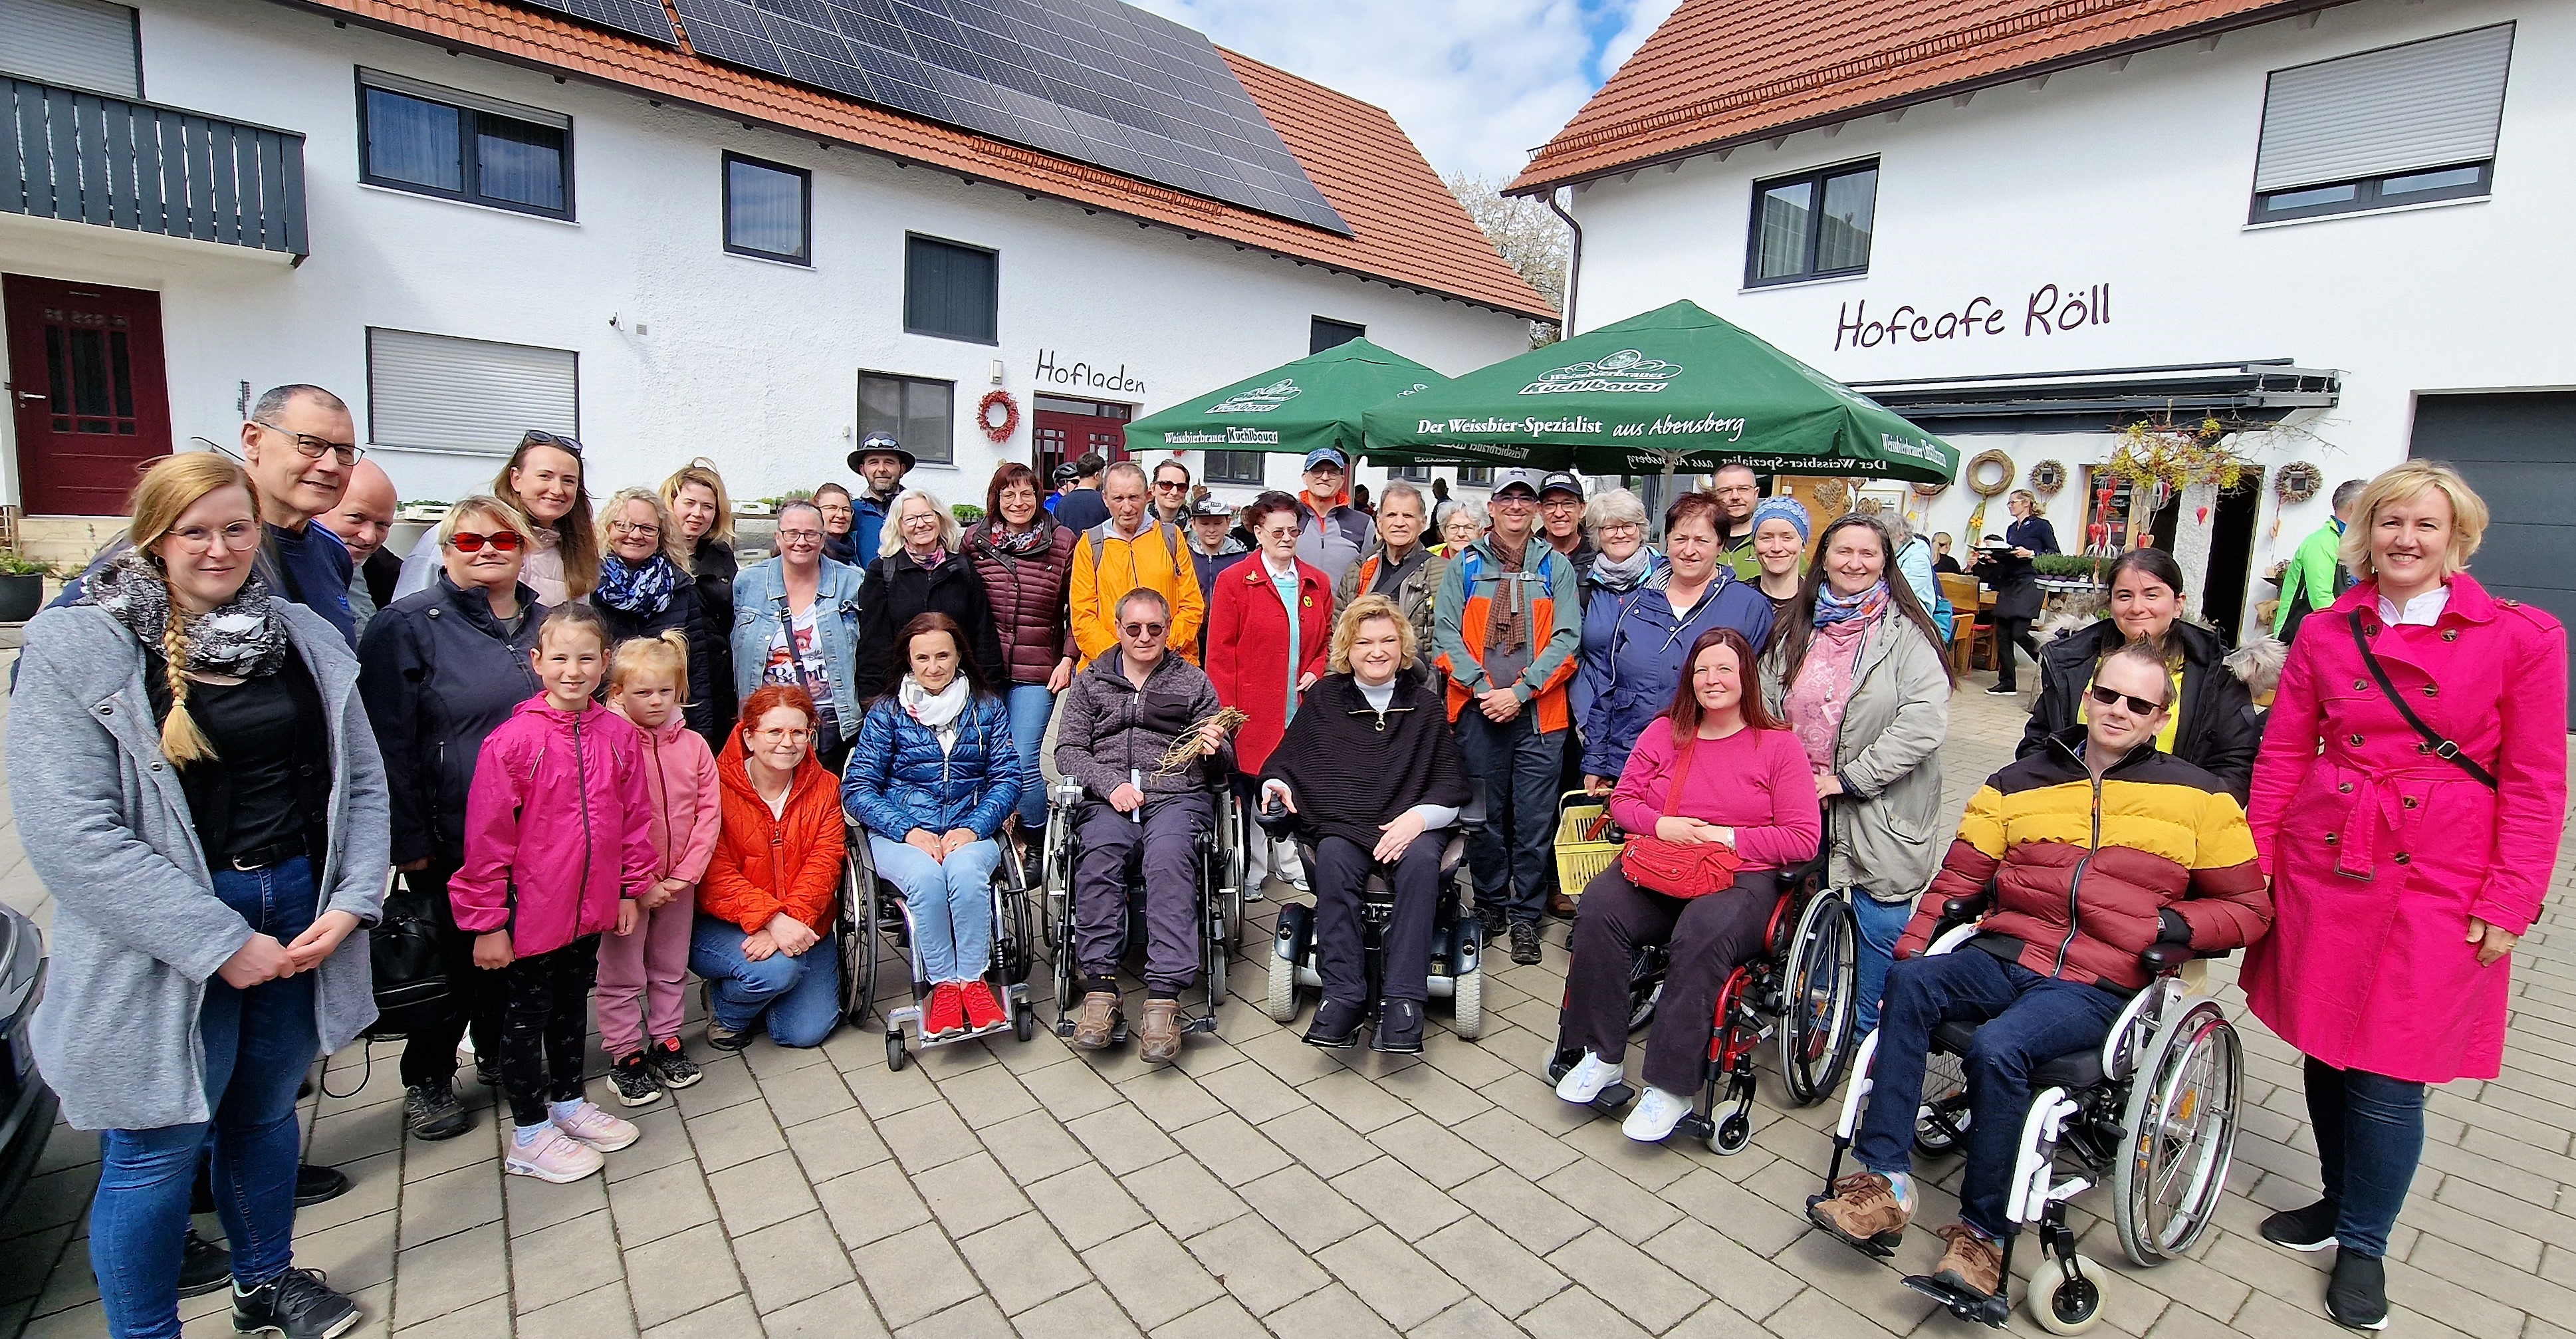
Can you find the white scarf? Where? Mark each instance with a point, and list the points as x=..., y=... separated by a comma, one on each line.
x=938, y=710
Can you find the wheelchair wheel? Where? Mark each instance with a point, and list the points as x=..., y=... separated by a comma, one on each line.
x=855, y=937
x=1820, y=1000
x=895, y=1054
x=2063, y=1304
x=1645, y=987
x=2181, y=1127
x=1941, y=1122
x=1467, y=1005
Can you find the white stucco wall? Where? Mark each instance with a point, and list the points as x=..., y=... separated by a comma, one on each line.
x=751, y=362
x=2141, y=179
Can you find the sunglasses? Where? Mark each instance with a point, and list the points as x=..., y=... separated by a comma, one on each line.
x=1144, y=629
x=502, y=541
x=2140, y=705
x=535, y=437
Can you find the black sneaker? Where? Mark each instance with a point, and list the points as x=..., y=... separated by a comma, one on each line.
x=1399, y=1028
x=1490, y=921
x=1525, y=942
x=431, y=1111
x=633, y=1080
x=1336, y=1025
x=203, y=1266
x=671, y=1065
x=2357, y=1297
x=487, y=1071
x=314, y=1184
x=2308, y=1229
x=2003, y=690
x=297, y=1304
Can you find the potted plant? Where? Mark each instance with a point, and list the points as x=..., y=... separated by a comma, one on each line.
x=22, y=586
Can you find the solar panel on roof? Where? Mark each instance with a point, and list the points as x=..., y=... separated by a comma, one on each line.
x=636, y=18
x=1091, y=80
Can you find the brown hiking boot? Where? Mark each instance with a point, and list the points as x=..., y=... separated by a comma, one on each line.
x=1972, y=1264
x=1158, y=1032
x=1098, y=1021
x=1863, y=1210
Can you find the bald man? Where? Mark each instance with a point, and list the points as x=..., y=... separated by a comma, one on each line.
x=364, y=516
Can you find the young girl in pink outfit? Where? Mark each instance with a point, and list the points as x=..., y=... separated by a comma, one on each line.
x=558, y=850
x=640, y=975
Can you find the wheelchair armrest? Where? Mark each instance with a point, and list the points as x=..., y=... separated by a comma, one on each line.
x=1276, y=821
x=2164, y=959
x=1961, y=910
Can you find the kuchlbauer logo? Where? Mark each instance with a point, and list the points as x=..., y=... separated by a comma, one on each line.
x=1260, y=400
x=1624, y=372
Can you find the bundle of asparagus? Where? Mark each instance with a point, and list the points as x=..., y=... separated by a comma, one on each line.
x=1185, y=750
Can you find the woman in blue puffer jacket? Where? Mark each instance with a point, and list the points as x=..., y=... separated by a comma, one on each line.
x=931, y=776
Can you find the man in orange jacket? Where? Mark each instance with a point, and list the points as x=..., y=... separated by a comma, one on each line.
x=1130, y=551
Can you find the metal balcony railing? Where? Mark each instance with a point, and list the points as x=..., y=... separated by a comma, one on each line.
x=91, y=158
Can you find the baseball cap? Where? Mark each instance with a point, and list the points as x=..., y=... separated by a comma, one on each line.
x=1326, y=455
x=1561, y=482
x=1210, y=506
x=1504, y=479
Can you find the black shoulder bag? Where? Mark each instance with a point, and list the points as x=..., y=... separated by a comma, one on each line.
x=2441, y=747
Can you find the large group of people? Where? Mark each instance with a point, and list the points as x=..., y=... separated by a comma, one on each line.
x=598, y=759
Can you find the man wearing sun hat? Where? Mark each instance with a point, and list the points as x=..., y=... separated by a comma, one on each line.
x=1336, y=533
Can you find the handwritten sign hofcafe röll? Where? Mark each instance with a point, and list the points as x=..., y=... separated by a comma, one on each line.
x=2047, y=310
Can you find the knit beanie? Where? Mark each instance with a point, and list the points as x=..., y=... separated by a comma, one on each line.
x=1786, y=508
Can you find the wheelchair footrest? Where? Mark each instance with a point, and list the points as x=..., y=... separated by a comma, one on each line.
x=1117, y=1035
x=1984, y=1308
x=1879, y=1247
x=1614, y=1099
x=1695, y=1125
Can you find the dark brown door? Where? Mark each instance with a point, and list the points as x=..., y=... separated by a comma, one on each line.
x=86, y=384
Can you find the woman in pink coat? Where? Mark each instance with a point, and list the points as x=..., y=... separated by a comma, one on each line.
x=2406, y=859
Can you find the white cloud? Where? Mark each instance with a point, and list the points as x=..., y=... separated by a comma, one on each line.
x=1476, y=83
x=1641, y=24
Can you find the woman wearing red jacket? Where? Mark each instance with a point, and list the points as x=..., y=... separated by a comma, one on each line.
x=765, y=908
x=1270, y=633
x=2414, y=695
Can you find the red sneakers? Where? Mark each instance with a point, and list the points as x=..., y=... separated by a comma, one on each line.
x=983, y=1011
x=945, y=1015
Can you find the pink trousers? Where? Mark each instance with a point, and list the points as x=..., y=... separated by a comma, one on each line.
x=640, y=978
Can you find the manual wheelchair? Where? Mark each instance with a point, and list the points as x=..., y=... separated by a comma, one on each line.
x=1219, y=909
x=873, y=918
x=1801, y=989
x=1457, y=937
x=2153, y=1108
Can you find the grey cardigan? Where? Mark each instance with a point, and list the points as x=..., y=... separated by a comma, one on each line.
x=137, y=926
x=1889, y=755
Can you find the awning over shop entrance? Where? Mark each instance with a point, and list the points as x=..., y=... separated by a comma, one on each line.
x=2108, y=398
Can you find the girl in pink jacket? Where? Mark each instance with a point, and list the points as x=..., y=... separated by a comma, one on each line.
x=558, y=850
x=640, y=975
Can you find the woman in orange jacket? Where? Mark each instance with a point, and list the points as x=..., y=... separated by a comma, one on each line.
x=765, y=908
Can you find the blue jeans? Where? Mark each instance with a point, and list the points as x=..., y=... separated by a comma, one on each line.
x=1510, y=853
x=2028, y=1021
x=951, y=902
x=801, y=995
x=2370, y=1135
x=1881, y=925
x=1030, y=704
x=258, y=1044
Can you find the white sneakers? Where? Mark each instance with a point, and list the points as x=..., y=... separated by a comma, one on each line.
x=569, y=1149
x=1586, y=1080
x=589, y=1124
x=1654, y=1117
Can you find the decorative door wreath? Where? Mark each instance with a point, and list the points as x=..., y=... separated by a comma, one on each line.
x=998, y=430
x=2047, y=477
x=2002, y=478
x=2297, y=482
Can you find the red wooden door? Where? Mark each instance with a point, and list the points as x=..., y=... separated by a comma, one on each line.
x=1063, y=434
x=86, y=383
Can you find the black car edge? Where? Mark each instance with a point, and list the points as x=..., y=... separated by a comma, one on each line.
x=27, y=1106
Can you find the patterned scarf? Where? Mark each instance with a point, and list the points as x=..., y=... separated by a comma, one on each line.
x=1027, y=543
x=1507, y=618
x=1612, y=574
x=242, y=638
x=642, y=591
x=1832, y=609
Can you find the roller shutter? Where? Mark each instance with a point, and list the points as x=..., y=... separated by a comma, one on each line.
x=466, y=396
x=2399, y=109
x=84, y=44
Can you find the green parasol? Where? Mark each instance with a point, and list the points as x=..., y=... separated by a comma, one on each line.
x=1292, y=409
x=1673, y=389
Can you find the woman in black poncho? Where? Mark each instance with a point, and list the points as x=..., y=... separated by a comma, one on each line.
x=1371, y=771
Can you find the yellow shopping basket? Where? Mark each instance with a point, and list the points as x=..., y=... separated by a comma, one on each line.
x=1586, y=840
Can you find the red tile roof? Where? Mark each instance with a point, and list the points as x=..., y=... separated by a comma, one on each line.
x=1721, y=71
x=1409, y=230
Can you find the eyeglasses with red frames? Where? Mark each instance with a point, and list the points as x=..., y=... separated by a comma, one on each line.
x=502, y=541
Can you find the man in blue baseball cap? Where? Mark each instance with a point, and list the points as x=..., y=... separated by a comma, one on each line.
x=1335, y=533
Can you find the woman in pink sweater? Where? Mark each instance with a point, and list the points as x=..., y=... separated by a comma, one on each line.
x=641, y=975
x=1745, y=786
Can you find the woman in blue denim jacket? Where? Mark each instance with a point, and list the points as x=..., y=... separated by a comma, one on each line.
x=796, y=621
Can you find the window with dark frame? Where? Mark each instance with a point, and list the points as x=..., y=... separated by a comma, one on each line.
x=1412, y=474
x=1475, y=476
x=919, y=413
x=768, y=210
x=1325, y=332
x=2409, y=124
x=1812, y=226
x=1234, y=467
x=951, y=290
x=460, y=146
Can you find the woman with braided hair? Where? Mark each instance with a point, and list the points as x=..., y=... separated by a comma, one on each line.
x=196, y=784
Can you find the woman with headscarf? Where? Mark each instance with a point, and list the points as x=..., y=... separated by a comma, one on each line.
x=1780, y=530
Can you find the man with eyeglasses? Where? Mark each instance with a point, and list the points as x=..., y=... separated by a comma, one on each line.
x=1128, y=709
x=1332, y=533
x=1172, y=494
x=1506, y=625
x=2098, y=849
x=1738, y=490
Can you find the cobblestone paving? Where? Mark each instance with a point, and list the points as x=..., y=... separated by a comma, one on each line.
x=1262, y=1186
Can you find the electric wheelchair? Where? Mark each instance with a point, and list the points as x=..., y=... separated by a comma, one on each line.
x=874, y=918
x=1457, y=938
x=2153, y=1109
x=1219, y=914
x=1800, y=990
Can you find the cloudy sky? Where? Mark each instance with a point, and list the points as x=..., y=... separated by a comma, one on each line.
x=1477, y=83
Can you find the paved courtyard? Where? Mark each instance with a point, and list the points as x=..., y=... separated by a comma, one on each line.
x=1262, y=1186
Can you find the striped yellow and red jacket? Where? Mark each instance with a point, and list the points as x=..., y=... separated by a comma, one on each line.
x=2082, y=867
